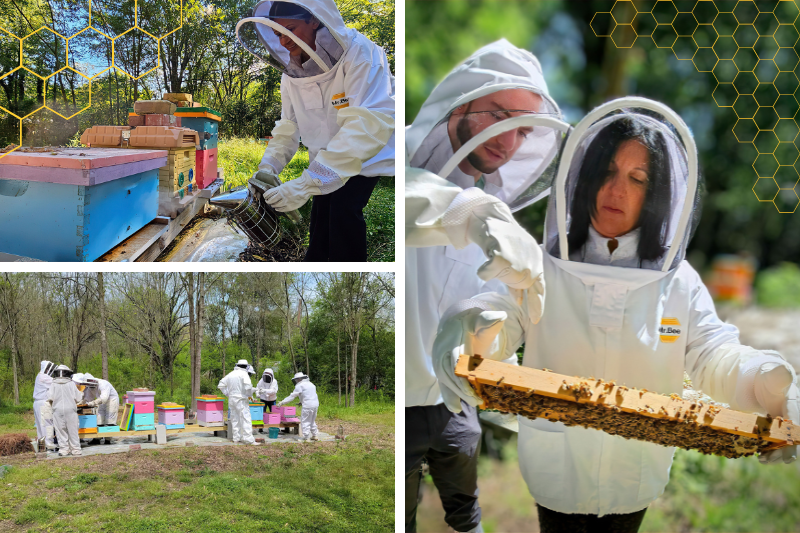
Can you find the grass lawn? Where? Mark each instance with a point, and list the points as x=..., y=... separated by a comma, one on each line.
x=328, y=486
x=705, y=493
x=240, y=159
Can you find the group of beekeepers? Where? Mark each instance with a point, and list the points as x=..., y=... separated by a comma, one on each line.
x=624, y=202
x=237, y=386
x=57, y=393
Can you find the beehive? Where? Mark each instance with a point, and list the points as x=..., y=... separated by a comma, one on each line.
x=143, y=409
x=627, y=412
x=257, y=413
x=179, y=172
x=209, y=410
x=171, y=415
x=76, y=204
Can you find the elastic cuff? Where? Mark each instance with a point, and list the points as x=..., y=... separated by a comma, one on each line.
x=271, y=164
x=465, y=305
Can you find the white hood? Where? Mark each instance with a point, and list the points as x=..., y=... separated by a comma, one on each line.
x=496, y=67
x=257, y=34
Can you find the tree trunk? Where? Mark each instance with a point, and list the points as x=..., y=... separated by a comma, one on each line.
x=338, y=367
x=198, y=331
x=101, y=297
x=14, y=355
x=353, y=365
x=190, y=298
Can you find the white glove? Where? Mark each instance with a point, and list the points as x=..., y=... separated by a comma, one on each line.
x=279, y=404
x=471, y=332
x=292, y=194
x=515, y=257
x=263, y=181
x=93, y=403
x=777, y=392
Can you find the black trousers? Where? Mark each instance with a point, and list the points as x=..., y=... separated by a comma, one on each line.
x=268, y=405
x=338, y=231
x=450, y=443
x=555, y=522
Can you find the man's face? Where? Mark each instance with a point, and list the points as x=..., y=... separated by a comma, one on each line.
x=305, y=31
x=470, y=119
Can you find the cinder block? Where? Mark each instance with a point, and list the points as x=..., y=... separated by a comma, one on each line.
x=134, y=447
x=161, y=434
x=137, y=120
x=160, y=120
x=177, y=97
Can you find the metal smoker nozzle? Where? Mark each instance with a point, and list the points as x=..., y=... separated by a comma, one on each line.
x=230, y=200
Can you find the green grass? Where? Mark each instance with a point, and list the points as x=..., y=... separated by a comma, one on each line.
x=705, y=493
x=323, y=487
x=240, y=159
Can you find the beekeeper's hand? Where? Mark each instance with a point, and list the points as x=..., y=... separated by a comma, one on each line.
x=279, y=404
x=93, y=403
x=776, y=390
x=292, y=194
x=264, y=180
x=515, y=257
x=470, y=332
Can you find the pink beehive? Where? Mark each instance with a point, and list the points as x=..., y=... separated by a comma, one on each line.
x=170, y=414
x=210, y=410
x=289, y=410
x=277, y=410
x=290, y=420
x=143, y=401
x=272, y=418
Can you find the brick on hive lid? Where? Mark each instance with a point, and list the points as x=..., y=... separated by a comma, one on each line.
x=177, y=97
x=158, y=107
x=164, y=137
x=103, y=135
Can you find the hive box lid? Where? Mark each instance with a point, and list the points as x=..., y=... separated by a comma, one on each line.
x=80, y=166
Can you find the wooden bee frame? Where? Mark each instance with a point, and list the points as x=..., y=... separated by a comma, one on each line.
x=627, y=412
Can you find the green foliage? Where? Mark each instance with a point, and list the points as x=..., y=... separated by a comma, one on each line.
x=779, y=286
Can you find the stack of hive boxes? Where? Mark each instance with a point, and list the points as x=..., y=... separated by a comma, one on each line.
x=257, y=413
x=273, y=418
x=209, y=410
x=171, y=415
x=177, y=177
x=288, y=414
x=143, y=402
x=87, y=421
x=205, y=121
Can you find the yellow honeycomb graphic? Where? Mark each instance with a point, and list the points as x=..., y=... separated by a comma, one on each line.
x=58, y=64
x=749, y=48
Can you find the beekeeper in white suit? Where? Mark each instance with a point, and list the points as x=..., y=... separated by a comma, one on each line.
x=238, y=388
x=64, y=398
x=106, y=400
x=624, y=209
x=41, y=388
x=483, y=144
x=309, y=403
x=337, y=93
x=267, y=389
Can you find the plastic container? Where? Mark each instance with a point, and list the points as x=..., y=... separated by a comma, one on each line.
x=273, y=432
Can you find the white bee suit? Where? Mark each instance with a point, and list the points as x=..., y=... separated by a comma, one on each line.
x=640, y=326
x=238, y=388
x=107, y=402
x=341, y=101
x=41, y=388
x=64, y=396
x=446, y=250
x=267, y=391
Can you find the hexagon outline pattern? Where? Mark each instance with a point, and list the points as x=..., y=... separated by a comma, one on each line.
x=67, y=67
x=729, y=9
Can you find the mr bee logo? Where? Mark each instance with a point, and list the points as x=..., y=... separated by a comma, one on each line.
x=340, y=101
x=668, y=332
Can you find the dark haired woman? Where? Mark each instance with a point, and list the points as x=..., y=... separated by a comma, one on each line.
x=625, y=306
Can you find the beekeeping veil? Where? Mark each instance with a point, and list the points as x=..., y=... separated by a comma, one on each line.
x=527, y=175
x=257, y=34
x=675, y=195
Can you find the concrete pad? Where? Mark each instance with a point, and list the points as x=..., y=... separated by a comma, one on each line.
x=124, y=444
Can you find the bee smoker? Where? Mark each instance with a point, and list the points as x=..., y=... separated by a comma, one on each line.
x=257, y=220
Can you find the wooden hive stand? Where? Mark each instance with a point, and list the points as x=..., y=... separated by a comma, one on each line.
x=627, y=412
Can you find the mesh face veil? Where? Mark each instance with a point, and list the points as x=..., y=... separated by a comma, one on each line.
x=511, y=137
x=260, y=34
x=670, y=204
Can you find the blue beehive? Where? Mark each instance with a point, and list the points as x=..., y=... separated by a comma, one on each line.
x=75, y=205
x=203, y=126
x=87, y=421
x=144, y=421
